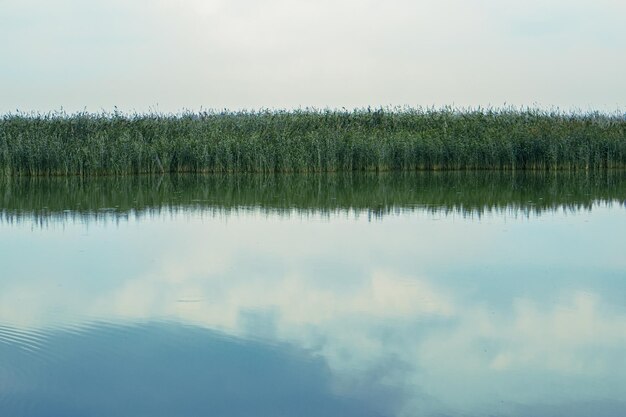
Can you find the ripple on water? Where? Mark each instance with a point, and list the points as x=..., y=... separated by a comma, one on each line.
x=164, y=369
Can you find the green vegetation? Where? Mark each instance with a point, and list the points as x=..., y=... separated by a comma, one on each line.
x=309, y=141
x=372, y=194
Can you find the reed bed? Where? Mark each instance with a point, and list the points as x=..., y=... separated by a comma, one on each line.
x=309, y=141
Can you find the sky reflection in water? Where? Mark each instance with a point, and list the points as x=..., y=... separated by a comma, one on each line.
x=337, y=313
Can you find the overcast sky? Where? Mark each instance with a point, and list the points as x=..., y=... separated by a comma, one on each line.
x=171, y=55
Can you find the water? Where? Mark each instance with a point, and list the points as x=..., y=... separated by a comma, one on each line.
x=461, y=294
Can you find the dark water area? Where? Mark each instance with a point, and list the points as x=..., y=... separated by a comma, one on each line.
x=390, y=295
x=168, y=369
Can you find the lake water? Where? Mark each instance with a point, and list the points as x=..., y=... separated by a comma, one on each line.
x=396, y=295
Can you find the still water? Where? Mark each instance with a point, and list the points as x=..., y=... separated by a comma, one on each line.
x=395, y=295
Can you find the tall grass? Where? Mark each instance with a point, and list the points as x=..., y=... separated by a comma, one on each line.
x=309, y=141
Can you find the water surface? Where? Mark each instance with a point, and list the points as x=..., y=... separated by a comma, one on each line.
x=422, y=294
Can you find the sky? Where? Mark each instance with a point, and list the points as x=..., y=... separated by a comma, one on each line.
x=169, y=56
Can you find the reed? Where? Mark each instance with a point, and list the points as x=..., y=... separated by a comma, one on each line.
x=310, y=141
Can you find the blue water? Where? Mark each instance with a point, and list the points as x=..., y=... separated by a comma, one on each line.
x=257, y=312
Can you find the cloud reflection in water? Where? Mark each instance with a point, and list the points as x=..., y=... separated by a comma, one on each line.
x=403, y=316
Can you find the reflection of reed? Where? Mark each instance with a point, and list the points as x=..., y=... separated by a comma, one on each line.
x=376, y=194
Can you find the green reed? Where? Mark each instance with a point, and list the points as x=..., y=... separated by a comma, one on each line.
x=310, y=141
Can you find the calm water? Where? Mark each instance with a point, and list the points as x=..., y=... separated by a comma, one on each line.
x=362, y=295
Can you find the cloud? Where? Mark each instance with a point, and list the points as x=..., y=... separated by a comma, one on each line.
x=277, y=53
